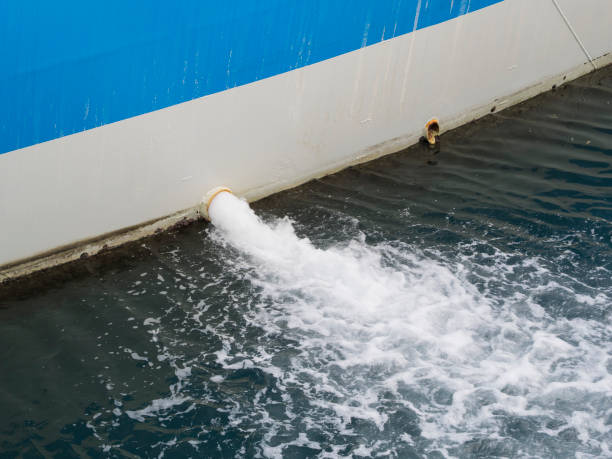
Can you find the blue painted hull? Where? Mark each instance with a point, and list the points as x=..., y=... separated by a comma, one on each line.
x=70, y=66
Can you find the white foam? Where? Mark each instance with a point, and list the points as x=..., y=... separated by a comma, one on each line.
x=392, y=318
x=157, y=406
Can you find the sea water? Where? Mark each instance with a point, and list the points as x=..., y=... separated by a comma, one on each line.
x=447, y=302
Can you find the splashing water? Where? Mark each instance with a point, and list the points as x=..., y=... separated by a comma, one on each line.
x=391, y=341
x=428, y=304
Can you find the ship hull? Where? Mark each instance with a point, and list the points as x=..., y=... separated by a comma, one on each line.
x=142, y=165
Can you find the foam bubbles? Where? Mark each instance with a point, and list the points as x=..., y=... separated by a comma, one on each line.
x=396, y=348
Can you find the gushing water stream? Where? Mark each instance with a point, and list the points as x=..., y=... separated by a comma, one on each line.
x=389, y=337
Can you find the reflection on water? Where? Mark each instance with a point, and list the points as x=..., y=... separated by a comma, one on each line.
x=451, y=303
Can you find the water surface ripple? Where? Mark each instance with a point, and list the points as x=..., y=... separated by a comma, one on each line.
x=435, y=303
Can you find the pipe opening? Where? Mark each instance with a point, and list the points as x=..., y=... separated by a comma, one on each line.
x=433, y=130
x=208, y=199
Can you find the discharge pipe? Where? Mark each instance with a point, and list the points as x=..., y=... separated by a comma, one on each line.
x=209, y=197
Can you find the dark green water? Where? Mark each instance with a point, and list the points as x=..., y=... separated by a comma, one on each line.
x=429, y=304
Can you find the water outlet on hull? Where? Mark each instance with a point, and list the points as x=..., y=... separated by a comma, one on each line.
x=432, y=129
x=209, y=197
